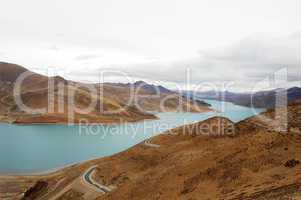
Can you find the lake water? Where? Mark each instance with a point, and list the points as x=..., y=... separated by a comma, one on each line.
x=35, y=148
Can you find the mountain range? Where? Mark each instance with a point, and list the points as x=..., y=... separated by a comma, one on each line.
x=114, y=101
x=261, y=99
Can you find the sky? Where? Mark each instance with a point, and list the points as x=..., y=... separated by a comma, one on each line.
x=176, y=43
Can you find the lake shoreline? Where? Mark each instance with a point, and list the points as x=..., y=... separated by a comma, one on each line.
x=91, y=146
x=151, y=116
x=66, y=166
x=48, y=172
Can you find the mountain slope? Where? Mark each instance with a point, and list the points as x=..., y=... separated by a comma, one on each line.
x=10, y=72
x=113, y=103
x=35, y=93
x=252, y=163
x=152, y=98
x=262, y=99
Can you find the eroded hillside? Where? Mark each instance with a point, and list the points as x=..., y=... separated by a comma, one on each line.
x=253, y=162
x=56, y=100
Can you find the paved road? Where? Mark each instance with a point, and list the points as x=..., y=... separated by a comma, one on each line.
x=88, y=179
x=147, y=143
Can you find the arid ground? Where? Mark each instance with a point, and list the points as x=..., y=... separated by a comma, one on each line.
x=253, y=162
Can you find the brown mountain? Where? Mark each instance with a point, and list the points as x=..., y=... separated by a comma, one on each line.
x=261, y=99
x=112, y=101
x=252, y=163
x=10, y=72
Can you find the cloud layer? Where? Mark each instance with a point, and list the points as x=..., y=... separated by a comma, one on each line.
x=245, y=62
x=215, y=41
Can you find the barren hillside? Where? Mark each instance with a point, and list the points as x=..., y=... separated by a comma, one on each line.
x=113, y=103
x=251, y=163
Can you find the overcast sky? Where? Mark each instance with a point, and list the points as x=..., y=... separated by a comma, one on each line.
x=155, y=40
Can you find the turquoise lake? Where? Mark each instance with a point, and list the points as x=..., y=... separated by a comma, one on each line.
x=37, y=148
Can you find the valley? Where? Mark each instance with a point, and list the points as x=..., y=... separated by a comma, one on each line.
x=250, y=162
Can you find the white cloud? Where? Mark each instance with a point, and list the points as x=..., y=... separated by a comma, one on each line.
x=230, y=40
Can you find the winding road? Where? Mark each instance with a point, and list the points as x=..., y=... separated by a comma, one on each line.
x=147, y=143
x=87, y=176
